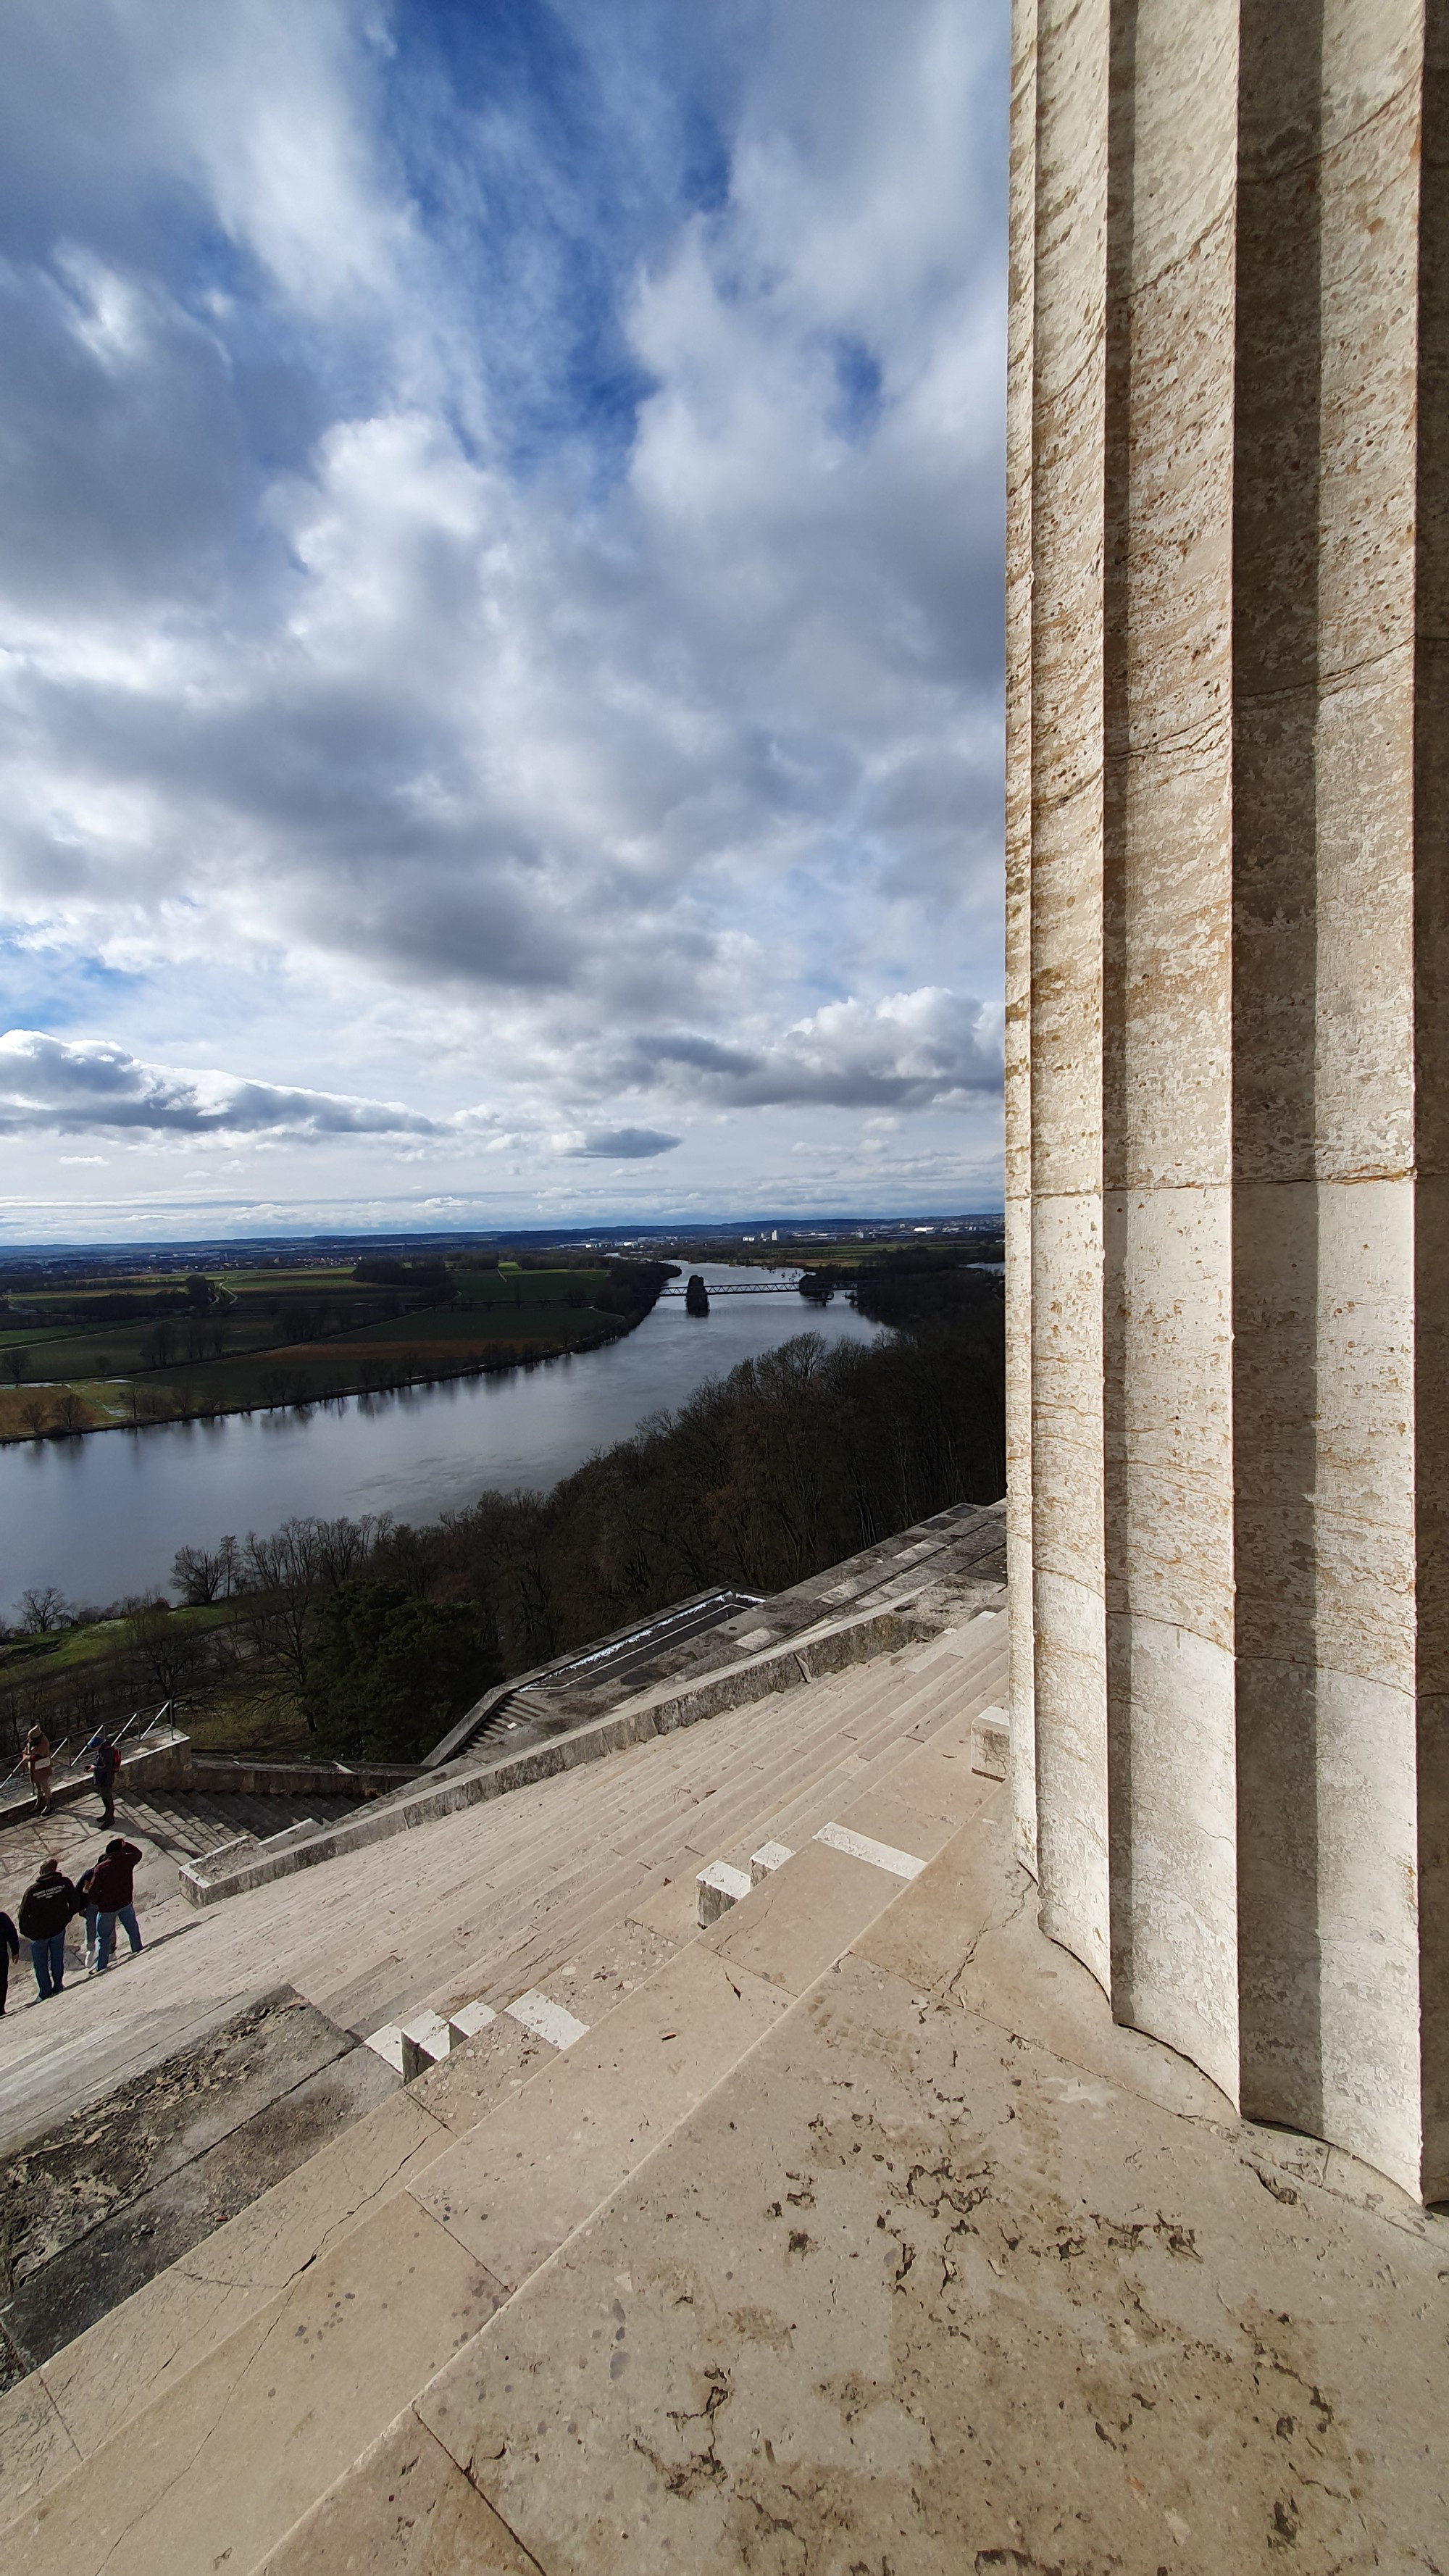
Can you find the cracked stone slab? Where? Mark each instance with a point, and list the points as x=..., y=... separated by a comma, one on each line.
x=159, y=2227
x=407, y=2510
x=216, y=2472
x=912, y=2293
x=143, y=2349
x=968, y=1930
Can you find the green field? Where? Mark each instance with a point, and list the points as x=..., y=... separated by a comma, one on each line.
x=282, y=1337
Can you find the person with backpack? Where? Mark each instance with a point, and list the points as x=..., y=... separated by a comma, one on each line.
x=111, y=1882
x=9, y=1949
x=105, y=1763
x=45, y=1909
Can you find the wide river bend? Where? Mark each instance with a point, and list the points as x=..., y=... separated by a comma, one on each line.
x=103, y=1516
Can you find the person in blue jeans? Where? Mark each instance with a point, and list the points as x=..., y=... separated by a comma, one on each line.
x=112, y=1881
x=45, y=1909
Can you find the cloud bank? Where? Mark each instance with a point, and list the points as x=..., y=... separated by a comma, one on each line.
x=502, y=578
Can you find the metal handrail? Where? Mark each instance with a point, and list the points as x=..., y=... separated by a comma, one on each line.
x=118, y=1739
x=77, y=1759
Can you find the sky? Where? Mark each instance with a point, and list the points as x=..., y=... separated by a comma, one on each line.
x=500, y=611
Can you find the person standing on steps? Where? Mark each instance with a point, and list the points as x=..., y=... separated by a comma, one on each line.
x=37, y=1763
x=112, y=1880
x=9, y=1949
x=85, y=1898
x=45, y=1909
x=105, y=1763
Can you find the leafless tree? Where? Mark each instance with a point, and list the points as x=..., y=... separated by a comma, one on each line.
x=206, y=1574
x=291, y=1573
x=44, y=1609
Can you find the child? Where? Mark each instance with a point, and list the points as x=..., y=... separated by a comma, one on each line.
x=83, y=1891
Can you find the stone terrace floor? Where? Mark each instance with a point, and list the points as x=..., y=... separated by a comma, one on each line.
x=951, y=2275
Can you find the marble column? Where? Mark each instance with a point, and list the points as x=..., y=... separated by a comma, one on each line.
x=1227, y=1219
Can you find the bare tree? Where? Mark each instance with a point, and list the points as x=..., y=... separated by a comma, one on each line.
x=291, y=1573
x=16, y=1364
x=203, y=1574
x=70, y=1411
x=166, y=1654
x=35, y=1414
x=43, y=1609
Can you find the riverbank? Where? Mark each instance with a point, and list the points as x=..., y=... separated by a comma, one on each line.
x=350, y=1341
x=109, y=1411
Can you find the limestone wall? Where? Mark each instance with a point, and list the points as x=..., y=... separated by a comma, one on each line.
x=1226, y=1047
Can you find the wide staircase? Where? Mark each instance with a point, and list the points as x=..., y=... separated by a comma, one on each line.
x=548, y=1986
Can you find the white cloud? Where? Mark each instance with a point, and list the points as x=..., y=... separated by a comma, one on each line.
x=73, y=1088
x=911, y=1050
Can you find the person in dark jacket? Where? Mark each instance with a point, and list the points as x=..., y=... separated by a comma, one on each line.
x=112, y=1880
x=45, y=1909
x=9, y=1949
x=105, y=1763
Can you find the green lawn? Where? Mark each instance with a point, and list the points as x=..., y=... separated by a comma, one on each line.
x=98, y=1638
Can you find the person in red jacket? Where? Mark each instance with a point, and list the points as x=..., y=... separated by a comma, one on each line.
x=112, y=1880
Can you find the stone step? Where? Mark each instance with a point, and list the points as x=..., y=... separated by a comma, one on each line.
x=787, y=1932
x=396, y=1928
x=613, y=1923
x=145, y=2347
x=313, y=2372
x=534, y=1925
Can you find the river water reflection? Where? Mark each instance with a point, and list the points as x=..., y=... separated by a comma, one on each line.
x=104, y=1516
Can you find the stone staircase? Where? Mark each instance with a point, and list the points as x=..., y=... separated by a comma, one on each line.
x=613, y=1993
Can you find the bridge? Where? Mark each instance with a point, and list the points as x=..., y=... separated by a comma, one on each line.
x=746, y=1288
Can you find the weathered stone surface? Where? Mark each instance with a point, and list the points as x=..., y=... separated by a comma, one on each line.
x=526, y=2178
x=142, y=2350
x=406, y=2510
x=217, y=2471
x=71, y=2291
x=93, y=2208
x=912, y=2292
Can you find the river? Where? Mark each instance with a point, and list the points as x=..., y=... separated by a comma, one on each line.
x=104, y=1515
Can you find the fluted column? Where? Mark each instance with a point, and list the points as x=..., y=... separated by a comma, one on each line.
x=1228, y=1227
x=1018, y=931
